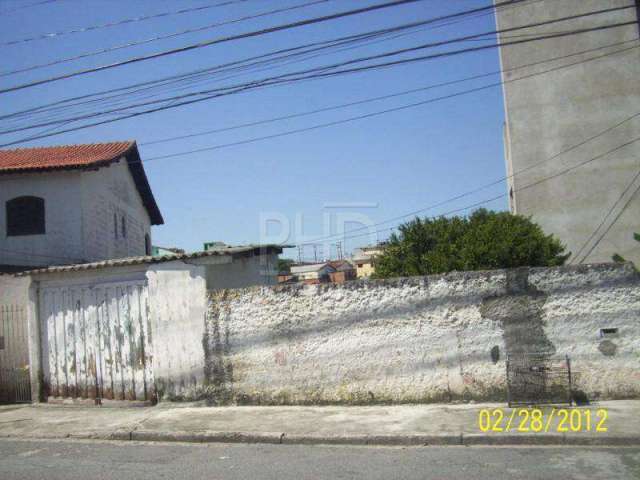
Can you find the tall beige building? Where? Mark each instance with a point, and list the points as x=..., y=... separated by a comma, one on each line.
x=593, y=208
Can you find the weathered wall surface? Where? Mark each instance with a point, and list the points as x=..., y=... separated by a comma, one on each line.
x=553, y=112
x=62, y=242
x=420, y=339
x=107, y=193
x=79, y=217
x=14, y=290
x=177, y=300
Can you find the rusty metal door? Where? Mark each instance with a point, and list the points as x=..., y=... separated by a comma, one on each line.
x=15, y=383
x=98, y=341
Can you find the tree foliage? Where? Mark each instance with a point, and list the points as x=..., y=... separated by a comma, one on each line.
x=284, y=265
x=482, y=241
x=620, y=259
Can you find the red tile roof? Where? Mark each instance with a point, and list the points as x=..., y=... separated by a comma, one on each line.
x=72, y=157
x=61, y=157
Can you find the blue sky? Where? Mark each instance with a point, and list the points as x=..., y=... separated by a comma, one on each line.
x=375, y=169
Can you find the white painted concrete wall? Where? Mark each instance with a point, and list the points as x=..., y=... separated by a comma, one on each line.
x=79, y=217
x=177, y=293
x=14, y=290
x=420, y=339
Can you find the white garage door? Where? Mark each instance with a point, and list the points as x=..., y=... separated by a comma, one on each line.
x=97, y=341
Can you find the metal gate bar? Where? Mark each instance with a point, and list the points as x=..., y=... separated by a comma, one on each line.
x=538, y=379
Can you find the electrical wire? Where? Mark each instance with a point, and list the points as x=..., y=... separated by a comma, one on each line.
x=161, y=37
x=373, y=99
x=484, y=202
x=52, y=35
x=238, y=89
x=604, y=219
x=216, y=41
x=287, y=51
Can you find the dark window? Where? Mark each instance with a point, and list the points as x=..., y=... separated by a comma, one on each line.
x=115, y=225
x=124, y=227
x=147, y=244
x=25, y=216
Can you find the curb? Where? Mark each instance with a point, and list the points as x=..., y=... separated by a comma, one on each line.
x=468, y=439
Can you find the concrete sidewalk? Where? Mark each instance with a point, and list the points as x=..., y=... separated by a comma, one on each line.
x=434, y=424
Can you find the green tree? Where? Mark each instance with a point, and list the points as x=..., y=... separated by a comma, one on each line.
x=619, y=258
x=284, y=265
x=482, y=241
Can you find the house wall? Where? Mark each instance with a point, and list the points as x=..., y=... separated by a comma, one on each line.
x=242, y=272
x=419, y=339
x=547, y=114
x=79, y=217
x=63, y=241
x=365, y=268
x=107, y=192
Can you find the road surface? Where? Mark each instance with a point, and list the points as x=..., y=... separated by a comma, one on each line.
x=98, y=460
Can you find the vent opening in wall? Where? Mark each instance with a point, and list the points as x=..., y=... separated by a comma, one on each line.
x=607, y=332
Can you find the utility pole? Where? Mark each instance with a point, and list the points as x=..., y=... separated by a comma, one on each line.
x=315, y=253
x=300, y=247
x=339, y=250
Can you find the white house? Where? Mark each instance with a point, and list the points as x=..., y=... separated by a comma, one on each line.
x=74, y=204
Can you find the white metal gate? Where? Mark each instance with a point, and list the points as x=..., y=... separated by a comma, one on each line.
x=97, y=341
x=15, y=385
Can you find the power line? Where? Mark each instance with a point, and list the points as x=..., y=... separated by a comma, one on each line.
x=162, y=37
x=288, y=51
x=264, y=59
x=622, y=210
x=367, y=100
x=51, y=35
x=609, y=212
x=314, y=73
x=262, y=83
x=317, y=69
x=255, y=33
x=22, y=7
x=483, y=202
x=355, y=40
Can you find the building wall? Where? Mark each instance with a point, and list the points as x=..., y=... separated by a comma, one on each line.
x=107, y=192
x=550, y=113
x=242, y=272
x=79, y=217
x=364, y=269
x=419, y=339
x=177, y=317
x=14, y=290
x=62, y=242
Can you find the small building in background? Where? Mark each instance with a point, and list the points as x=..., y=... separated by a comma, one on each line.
x=313, y=273
x=157, y=251
x=214, y=246
x=344, y=271
x=364, y=259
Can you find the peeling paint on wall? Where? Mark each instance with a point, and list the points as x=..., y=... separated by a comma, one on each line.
x=412, y=340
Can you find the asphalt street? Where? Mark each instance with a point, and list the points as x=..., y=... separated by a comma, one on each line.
x=70, y=460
